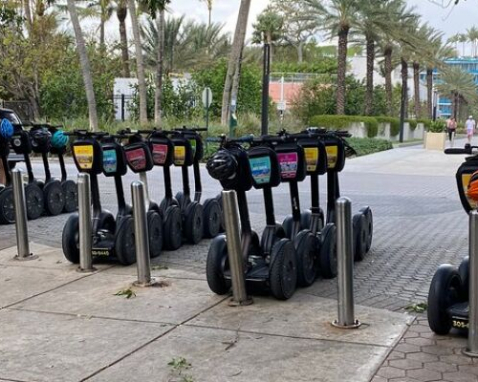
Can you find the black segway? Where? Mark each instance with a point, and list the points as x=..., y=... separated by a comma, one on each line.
x=212, y=207
x=112, y=238
x=448, y=297
x=21, y=144
x=140, y=161
x=7, y=212
x=271, y=264
x=52, y=190
x=59, y=143
x=192, y=210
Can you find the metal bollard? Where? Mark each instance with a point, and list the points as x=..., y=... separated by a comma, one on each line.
x=234, y=252
x=23, y=247
x=472, y=348
x=141, y=235
x=345, y=261
x=85, y=234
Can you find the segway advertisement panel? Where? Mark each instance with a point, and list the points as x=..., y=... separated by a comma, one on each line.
x=162, y=150
x=114, y=161
x=88, y=156
x=463, y=176
x=183, y=153
x=315, y=156
x=138, y=156
x=335, y=153
x=292, y=162
x=264, y=165
x=261, y=170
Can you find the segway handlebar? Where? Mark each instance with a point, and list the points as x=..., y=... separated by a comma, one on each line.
x=86, y=133
x=224, y=139
x=467, y=150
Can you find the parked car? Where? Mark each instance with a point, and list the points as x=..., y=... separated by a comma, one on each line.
x=15, y=119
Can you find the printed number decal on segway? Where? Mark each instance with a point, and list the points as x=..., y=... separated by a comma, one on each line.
x=100, y=252
x=136, y=159
x=332, y=154
x=288, y=165
x=160, y=153
x=110, y=161
x=311, y=158
x=84, y=156
x=460, y=324
x=179, y=155
x=261, y=169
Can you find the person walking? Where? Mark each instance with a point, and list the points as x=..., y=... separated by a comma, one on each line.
x=451, y=129
x=470, y=125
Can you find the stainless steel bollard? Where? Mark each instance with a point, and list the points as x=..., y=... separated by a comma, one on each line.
x=472, y=348
x=345, y=260
x=234, y=252
x=84, y=212
x=141, y=234
x=19, y=203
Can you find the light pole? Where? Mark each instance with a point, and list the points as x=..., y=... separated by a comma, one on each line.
x=435, y=103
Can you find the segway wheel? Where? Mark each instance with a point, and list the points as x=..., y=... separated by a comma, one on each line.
x=287, y=225
x=216, y=265
x=70, y=191
x=219, y=200
x=155, y=231
x=360, y=228
x=367, y=211
x=212, y=218
x=464, y=271
x=7, y=211
x=70, y=239
x=328, y=252
x=35, y=201
x=173, y=228
x=125, y=247
x=283, y=270
x=445, y=291
x=182, y=200
x=54, y=198
x=193, y=223
x=305, y=219
x=306, y=247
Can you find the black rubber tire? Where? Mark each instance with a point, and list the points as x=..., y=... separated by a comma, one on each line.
x=360, y=228
x=219, y=200
x=464, y=271
x=155, y=233
x=183, y=202
x=7, y=210
x=216, y=265
x=193, y=223
x=54, y=198
x=305, y=219
x=173, y=228
x=107, y=222
x=212, y=218
x=306, y=247
x=445, y=291
x=35, y=201
x=125, y=248
x=40, y=184
x=70, y=239
x=367, y=211
x=70, y=191
x=283, y=270
x=328, y=252
x=287, y=225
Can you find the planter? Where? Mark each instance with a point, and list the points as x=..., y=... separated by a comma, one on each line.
x=435, y=141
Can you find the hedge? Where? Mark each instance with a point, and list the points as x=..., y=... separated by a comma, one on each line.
x=413, y=123
x=343, y=121
x=426, y=122
x=394, y=124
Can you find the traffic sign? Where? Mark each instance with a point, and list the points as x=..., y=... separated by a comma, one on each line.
x=207, y=98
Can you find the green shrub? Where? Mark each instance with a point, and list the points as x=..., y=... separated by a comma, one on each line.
x=344, y=121
x=394, y=124
x=437, y=126
x=426, y=122
x=365, y=146
x=412, y=123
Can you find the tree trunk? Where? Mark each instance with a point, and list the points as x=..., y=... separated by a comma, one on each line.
x=122, y=12
x=102, y=34
x=85, y=65
x=416, y=87
x=143, y=94
x=388, y=80
x=237, y=77
x=300, y=52
x=369, y=85
x=430, y=93
x=341, y=69
x=234, y=58
x=405, y=85
x=28, y=13
x=158, y=93
x=209, y=8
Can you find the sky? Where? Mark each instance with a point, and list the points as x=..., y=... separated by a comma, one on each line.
x=441, y=14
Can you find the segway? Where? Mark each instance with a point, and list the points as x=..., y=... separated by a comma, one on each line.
x=59, y=143
x=336, y=148
x=7, y=211
x=192, y=211
x=448, y=297
x=52, y=190
x=112, y=238
x=162, y=150
x=212, y=207
x=271, y=264
x=21, y=144
x=140, y=161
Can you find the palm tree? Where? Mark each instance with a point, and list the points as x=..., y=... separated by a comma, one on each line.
x=140, y=72
x=472, y=34
x=463, y=39
x=455, y=39
x=231, y=84
x=338, y=18
x=209, y=8
x=158, y=94
x=85, y=65
x=267, y=29
x=122, y=13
